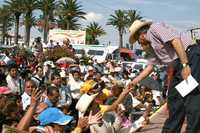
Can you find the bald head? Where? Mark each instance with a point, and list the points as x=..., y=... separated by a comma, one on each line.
x=66, y=41
x=29, y=86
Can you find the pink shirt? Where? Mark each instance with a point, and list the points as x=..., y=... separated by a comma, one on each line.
x=160, y=35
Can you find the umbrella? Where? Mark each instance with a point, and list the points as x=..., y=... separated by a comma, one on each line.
x=49, y=63
x=65, y=60
x=151, y=83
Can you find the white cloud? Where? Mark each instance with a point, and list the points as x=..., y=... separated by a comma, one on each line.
x=169, y=3
x=92, y=16
x=140, y=1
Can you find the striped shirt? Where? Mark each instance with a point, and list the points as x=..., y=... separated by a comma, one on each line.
x=160, y=35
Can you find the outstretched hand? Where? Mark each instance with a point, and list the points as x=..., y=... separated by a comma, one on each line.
x=120, y=110
x=82, y=122
x=129, y=87
x=35, y=96
x=94, y=119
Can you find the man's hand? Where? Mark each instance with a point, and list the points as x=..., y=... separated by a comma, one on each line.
x=120, y=110
x=95, y=119
x=131, y=85
x=35, y=96
x=82, y=122
x=186, y=71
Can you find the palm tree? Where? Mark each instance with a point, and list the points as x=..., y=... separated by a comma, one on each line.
x=119, y=20
x=68, y=23
x=28, y=7
x=5, y=22
x=132, y=16
x=47, y=7
x=93, y=31
x=69, y=13
x=15, y=7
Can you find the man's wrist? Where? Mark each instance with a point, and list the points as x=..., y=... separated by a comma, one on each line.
x=184, y=65
x=135, y=81
x=33, y=104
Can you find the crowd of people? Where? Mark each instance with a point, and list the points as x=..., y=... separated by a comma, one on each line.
x=39, y=95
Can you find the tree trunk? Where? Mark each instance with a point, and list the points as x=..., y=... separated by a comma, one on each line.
x=7, y=40
x=28, y=28
x=3, y=37
x=10, y=40
x=93, y=40
x=4, y=32
x=16, y=28
x=67, y=24
x=28, y=34
x=46, y=27
x=120, y=39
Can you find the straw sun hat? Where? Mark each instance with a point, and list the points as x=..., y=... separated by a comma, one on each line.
x=137, y=24
x=84, y=102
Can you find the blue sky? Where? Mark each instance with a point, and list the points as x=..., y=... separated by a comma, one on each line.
x=182, y=14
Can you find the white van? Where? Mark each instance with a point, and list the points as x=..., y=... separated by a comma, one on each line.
x=98, y=52
x=101, y=52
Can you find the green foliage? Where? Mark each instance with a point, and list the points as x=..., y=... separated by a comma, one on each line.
x=29, y=19
x=69, y=13
x=15, y=8
x=132, y=16
x=121, y=20
x=47, y=7
x=93, y=31
x=5, y=22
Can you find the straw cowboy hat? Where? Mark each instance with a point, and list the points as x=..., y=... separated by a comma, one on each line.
x=84, y=102
x=137, y=24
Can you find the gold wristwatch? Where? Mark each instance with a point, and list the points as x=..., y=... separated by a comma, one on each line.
x=184, y=64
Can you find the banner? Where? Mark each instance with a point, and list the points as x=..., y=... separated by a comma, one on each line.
x=75, y=37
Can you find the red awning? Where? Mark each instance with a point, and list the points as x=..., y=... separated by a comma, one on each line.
x=127, y=51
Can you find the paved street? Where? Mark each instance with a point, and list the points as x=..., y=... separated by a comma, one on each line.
x=157, y=121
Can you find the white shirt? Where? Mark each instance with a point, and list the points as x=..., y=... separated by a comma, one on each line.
x=105, y=79
x=75, y=86
x=83, y=68
x=13, y=84
x=26, y=100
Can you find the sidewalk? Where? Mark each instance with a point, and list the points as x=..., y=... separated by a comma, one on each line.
x=156, y=122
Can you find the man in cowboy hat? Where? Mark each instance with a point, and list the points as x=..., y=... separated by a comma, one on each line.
x=164, y=45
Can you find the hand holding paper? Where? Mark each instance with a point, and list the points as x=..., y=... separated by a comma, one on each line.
x=186, y=86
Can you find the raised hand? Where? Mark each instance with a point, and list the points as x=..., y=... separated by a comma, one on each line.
x=95, y=119
x=120, y=110
x=35, y=96
x=82, y=122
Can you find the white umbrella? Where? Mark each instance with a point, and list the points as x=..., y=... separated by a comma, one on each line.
x=65, y=60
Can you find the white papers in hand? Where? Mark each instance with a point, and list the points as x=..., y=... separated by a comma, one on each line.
x=186, y=86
